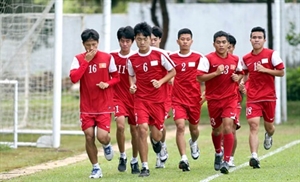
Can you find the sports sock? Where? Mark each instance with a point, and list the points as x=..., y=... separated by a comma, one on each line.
x=145, y=165
x=134, y=160
x=228, y=140
x=155, y=142
x=217, y=142
x=254, y=155
x=123, y=155
x=96, y=166
x=184, y=158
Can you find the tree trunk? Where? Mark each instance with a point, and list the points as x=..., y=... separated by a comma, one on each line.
x=270, y=24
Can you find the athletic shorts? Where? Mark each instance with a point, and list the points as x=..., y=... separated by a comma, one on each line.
x=190, y=113
x=91, y=120
x=218, y=109
x=123, y=109
x=151, y=113
x=264, y=109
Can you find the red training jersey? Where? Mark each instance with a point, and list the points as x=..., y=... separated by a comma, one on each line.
x=146, y=67
x=261, y=85
x=221, y=86
x=102, y=68
x=186, y=89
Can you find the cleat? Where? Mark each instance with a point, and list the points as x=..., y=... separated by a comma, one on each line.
x=156, y=147
x=144, y=172
x=194, y=150
x=159, y=163
x=184, y=165
x=218, y=161
x=96, y=173
x=268, y=141
x=224, y=167
x=231, y=162
x=135, y=168
x=108, y=152
x=122, y=164
x=163, y=155
x=254, y=162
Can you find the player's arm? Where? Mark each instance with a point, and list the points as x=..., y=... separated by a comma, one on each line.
x=77, y=70
x=132, y=79
x=277, y=63
x=168, y=64
x=114, y=75
x=203, y=68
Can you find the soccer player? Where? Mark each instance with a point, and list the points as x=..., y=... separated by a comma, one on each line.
x=124, y=100
x=261, y=66
x=148, y=79
x=186, y=96
x=97, y=73
x=161, y=157
x=220, y=73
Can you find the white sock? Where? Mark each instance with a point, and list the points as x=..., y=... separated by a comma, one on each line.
x=254, y=155
x=106, y=145
x=123, y=155
x=163, y=144
x=184, y=158
x=155, y=142
x=96, y=166
x=145, y=165
x=134, y=160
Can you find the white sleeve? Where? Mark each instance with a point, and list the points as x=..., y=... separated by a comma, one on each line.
x=75, y=64
x=276, y=60
x=112, y=65
x=130, y=69
x=203, y=65
x=167, y=63
x=244, y=65
x=239, y=66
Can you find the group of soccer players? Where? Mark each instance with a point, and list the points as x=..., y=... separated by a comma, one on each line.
x=144, y=85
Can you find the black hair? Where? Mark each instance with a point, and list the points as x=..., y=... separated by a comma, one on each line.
x=258, y=29
x=221, y=34
x=126, y=32
x=157, y=31
x=231, y=40
x=184, y=31
x=142, y=28
x=89, y=34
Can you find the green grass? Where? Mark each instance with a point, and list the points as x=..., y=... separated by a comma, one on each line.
x=74, y=145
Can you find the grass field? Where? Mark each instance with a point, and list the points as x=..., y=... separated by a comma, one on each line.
x=282, y=166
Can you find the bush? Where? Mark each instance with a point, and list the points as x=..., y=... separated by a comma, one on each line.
x=293, y=83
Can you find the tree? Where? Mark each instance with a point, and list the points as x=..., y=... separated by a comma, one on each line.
x=165, y=19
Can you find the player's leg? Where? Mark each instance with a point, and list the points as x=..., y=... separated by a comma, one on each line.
x=194, y=119
x=228, y=140
x=120, y=136
x=134, y=143
x=269, y=115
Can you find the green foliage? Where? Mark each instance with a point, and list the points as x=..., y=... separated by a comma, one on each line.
x=292, y=37
x=293, y=83
x=4, y=147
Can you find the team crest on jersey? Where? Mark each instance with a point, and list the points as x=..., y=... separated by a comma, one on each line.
x=191, y=64
x=232, y=67
x=154, y=63
x=264, y=60
x=102, y=65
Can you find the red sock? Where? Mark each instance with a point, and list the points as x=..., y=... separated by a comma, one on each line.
x=217, y=142
x=228, y=141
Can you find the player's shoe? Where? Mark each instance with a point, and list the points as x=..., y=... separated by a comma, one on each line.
x=144, y=172
x=96, y=173
x=268, y=141
x=122, y=164
x=163, y=154
x=218, y=161
x=135, y=168
x=156, y=147
x=184, y=165
x=254, y=162
x=224, y=167
x=108, y=152
x=158, y=163
x=231, y=162
x=194, y=149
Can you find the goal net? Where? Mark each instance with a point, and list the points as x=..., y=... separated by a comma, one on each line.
x=27, y=56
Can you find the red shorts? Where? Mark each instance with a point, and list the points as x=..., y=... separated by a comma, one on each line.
x=123, y=109
x=149, y=112
x=190, y=113
x=218, y=109
x=91, y=120
x=261, y=109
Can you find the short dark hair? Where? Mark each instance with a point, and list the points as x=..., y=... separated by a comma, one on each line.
x=258, y=29
x=184, y=31
x=231, y=40
x=88, y=34
x=157, y=31
x=126, y=32
x=221, y=34
x=143, y=28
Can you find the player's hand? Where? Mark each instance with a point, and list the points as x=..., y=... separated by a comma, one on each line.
x=242, y=88
x=220, y=69
x=235, y=77
x=102, y=85
x=90, y=54
x=155, y=83
x=260, y=68
x=132, y=89
x=203, y=98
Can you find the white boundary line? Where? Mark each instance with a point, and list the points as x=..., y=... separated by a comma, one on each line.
x=280, y=149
